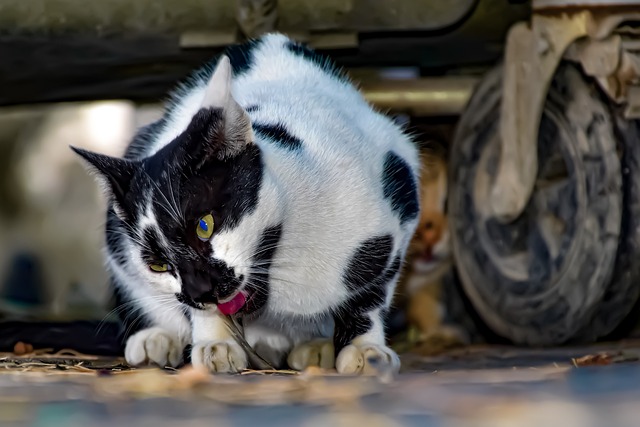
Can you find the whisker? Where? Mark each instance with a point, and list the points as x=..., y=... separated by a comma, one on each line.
x=168, y=207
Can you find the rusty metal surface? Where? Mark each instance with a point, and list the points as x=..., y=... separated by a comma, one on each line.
x=169, y=16
x=436, y=96
x=97, y=61
x=368, y=15
x=545, y=4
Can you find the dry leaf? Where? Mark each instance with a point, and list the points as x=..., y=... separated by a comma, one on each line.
x=22, y=348
x=593, y=360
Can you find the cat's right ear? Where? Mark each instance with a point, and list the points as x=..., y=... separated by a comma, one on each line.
x=236, y=125
x=113, y=174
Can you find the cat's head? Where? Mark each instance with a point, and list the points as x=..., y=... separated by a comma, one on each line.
x=188, y=207
x=430, y=244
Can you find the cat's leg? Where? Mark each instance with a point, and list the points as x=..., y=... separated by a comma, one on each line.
x=319, y=352
x=155, y=345
x=426, y=312
x=360, y=343
x=163, y=342
x=165, y=334
x=270, y=344
x=213, y=345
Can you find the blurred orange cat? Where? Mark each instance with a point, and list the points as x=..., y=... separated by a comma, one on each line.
x=428, y=260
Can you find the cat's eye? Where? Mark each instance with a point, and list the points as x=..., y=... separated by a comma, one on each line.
x=160, y=268
x=204, y=229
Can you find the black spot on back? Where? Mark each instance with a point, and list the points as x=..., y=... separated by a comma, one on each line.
x=252, y=108
x=399, y=187
x=240, y=57
x=278, y=134
x=263, y=256
x=318, y=59
x=368, y=262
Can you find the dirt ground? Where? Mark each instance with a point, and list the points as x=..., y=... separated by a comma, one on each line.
x=476, y=386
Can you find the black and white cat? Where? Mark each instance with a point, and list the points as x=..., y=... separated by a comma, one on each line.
x=271, y=190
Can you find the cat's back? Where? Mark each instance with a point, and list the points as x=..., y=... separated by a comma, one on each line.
x=316, y=104
x=291, y=90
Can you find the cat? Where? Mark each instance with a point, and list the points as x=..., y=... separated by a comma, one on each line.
x=429, y=259
x=272, y=191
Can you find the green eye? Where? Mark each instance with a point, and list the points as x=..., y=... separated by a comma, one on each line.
x=160, y=268
x=204, y=229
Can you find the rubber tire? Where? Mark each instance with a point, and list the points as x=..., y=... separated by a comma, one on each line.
x=539, y=312
x=620, y=297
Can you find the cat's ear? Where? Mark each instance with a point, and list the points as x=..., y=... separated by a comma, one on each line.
x=236, y=125
x=113, y=174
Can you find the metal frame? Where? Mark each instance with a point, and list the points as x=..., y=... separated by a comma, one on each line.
x=559, y=29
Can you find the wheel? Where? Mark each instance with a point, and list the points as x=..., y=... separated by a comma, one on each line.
x=621, y=296
x=540, y=279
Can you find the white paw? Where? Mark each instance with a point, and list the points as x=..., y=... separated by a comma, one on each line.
x=153, y=346
x=367, y=359
x=219, y=356
x=318, y=352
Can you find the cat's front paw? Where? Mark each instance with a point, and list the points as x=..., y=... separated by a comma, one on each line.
x=318, y=352
x=367, y=359
x=153, y=346
x=219, y=356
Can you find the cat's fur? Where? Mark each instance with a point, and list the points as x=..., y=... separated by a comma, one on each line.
x=315, y=200
x=429, y=259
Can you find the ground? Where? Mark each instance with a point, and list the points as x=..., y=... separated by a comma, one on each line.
x=477, y=386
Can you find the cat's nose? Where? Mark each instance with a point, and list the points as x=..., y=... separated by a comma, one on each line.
x=200, y=290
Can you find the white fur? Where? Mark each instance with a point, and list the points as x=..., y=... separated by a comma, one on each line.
x=154, y=345
x=329, y=197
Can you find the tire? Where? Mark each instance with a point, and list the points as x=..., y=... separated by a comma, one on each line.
x=540, y=279
x=617, y=312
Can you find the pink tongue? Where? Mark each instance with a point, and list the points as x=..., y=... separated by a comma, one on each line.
x=234, y=305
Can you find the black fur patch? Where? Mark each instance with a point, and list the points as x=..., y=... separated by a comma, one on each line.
x=318, y=59
x=200, y=183
x=278, y=134
x=151, y=251
x=347, y=327
x=115, y=236
x=252, y=108
x=241, y=56
x=368, y=262
x=244, y=181
x=131, y=316
x=258, y=280
x=399, y=187
x=368, y=278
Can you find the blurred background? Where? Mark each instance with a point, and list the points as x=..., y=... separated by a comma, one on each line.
x=90, y=73
x=89, y=76
x=52, y=212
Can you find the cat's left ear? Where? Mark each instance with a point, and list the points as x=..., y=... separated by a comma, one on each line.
x=113, y=174
x=237, y=130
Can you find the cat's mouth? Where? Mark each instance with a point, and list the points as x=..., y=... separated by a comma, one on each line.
x=427, y=256
x=234, y=303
